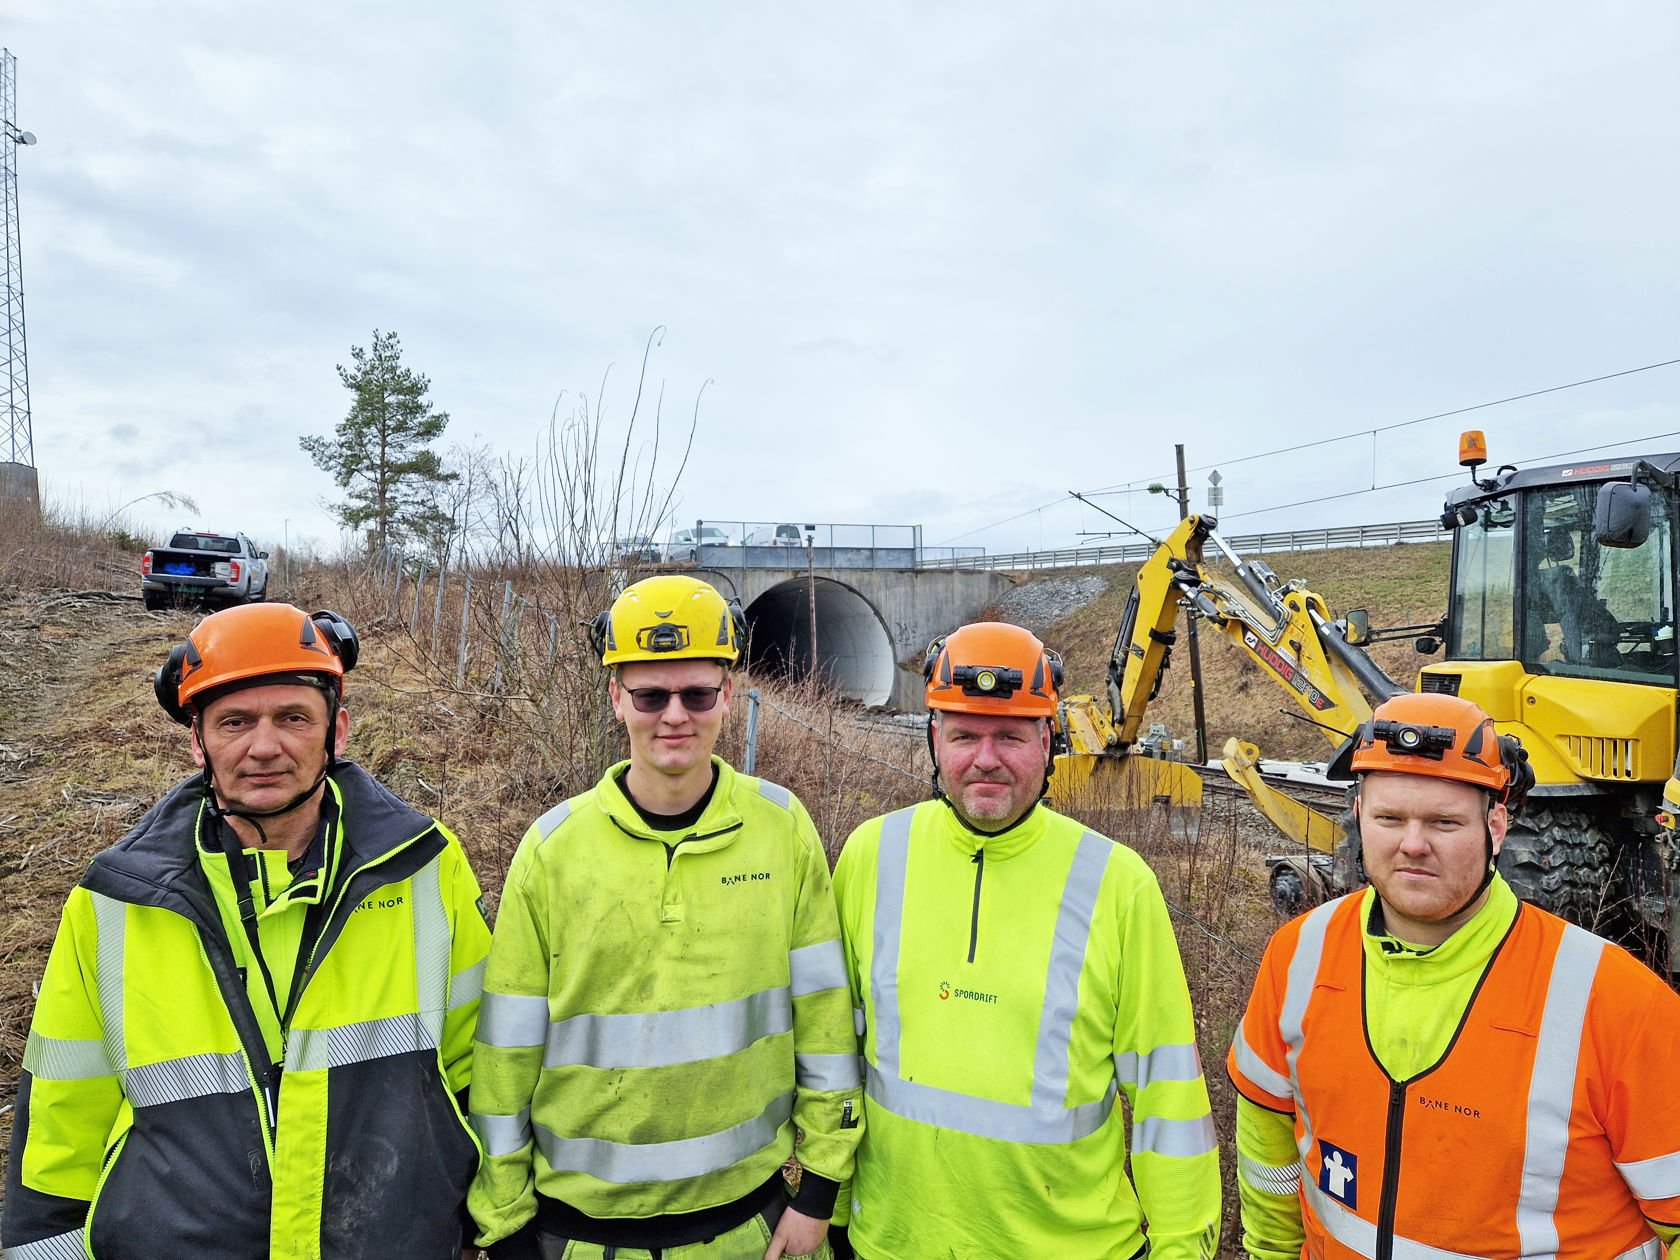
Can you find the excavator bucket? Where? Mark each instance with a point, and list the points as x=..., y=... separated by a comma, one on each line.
x=1091, y=780
x=1301, y=823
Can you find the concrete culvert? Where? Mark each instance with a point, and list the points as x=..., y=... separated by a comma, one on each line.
x=854, y=652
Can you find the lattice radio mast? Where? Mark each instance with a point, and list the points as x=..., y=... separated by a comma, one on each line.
x=17, y=444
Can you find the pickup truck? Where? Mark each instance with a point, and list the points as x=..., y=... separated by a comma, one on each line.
x=201, y=566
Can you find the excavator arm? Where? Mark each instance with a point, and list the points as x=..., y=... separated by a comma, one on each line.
x=1287, y=630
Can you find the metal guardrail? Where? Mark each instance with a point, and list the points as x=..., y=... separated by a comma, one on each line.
x=1244, y=544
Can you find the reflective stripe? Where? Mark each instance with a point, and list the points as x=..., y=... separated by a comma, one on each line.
x=1269, y=1178
x=1257, y=1069
x=1163, y=1063
x=775, y=792
x=665, y=1038
x=984, y=1117
x=859, y=1024
x=191, y=1076
x=1657, y=1178
x=817, y=967
x=1297, y=992
x=1182, y=1139
x=626, y=1163
x=466, y=986
x=550, y=822
x=513, y=1021
x=1551, y=1088
x=826, y=1071
x=1360, y=1235
x=111, y=924
x=58, y=1247
x=501, y=1135
x=1652, y=1249
x=891, y=861
x=314, y=1049
x=1046, y=1117
x=64, y=1058
x=431, y=949
x=1052, y=1059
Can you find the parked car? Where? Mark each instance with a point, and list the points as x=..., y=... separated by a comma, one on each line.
x=685, y=544
x=637, y=548
x=776, y=536
x=204, y=566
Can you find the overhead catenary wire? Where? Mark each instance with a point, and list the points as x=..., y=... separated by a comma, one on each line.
x=1137, y=483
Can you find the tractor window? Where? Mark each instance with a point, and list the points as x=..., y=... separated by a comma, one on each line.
x=1483, y=599
x=1591, y=611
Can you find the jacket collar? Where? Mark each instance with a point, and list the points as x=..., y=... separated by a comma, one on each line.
x=1005, y=844
x=156, y=864
x=720, y=820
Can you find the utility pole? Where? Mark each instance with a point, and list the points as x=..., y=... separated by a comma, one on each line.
x=1195, y=647
x=19, y=480
x=811, y=591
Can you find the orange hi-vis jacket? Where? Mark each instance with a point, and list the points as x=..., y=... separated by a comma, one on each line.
x=1550, y=1127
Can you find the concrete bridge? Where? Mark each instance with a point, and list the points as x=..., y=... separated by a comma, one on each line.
x=872, y=624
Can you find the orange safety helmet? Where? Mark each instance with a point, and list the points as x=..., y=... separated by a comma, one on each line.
x=251, y=645
x=1445, y=737
x=992, y=667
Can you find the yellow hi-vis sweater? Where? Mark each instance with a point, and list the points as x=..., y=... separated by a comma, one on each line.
x=1012, y=986
x=658, y=1016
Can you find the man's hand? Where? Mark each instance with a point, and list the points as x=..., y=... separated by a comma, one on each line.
x=796, y=1235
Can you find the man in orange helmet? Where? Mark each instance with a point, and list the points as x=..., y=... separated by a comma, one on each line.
x=254, y=1033
x=1430, y=1067
x=1017, y=973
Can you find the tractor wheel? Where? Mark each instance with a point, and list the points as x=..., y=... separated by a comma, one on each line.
x=1562, y=858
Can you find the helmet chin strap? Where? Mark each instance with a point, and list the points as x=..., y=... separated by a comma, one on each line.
x=940, y=795
x=254, y=816
x=1487, y=875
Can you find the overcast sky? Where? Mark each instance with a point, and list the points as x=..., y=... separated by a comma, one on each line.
x=931, y=264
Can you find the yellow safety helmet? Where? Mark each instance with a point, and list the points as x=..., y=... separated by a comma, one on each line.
x=671, y=617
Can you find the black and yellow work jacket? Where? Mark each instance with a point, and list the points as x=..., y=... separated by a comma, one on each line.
x=156, y=1119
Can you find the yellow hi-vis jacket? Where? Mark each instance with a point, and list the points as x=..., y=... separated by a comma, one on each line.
x=151, y=1121
x=659, y=1014
x=1012, y=986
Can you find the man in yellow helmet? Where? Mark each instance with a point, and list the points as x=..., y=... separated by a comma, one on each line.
x=1018, y=973
x=666, y=1005
x=258, y=1012
x=1430, y=1067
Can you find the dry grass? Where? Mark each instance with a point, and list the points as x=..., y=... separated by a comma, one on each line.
x=84, y=750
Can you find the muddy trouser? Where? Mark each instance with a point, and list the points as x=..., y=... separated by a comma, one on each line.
x=746, y=1241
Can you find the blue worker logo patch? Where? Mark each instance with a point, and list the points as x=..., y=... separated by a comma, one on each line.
x=1338, y=1173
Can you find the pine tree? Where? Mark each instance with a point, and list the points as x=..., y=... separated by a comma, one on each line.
x=380, y=454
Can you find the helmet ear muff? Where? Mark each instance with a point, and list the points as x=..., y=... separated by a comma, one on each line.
x=737, y=627
x=1515, y=758
x=931, y=658
x=600, y=630
x=166, y=684
x=340, y=635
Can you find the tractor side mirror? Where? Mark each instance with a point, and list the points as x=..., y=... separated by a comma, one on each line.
x=1622, y=515
x=1358, y=623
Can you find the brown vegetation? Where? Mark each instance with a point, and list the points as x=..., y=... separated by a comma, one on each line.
x=84, y=749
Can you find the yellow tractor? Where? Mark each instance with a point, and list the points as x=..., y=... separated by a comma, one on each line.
x=1560, y=623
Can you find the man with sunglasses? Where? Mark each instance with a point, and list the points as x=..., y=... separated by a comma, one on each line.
x=1018, y=973
x=666, y=1006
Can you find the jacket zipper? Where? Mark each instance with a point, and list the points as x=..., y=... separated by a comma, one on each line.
x=979, y=860
x=1391, y=1171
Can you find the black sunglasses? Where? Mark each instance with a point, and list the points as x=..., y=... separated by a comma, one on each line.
x=654, y=699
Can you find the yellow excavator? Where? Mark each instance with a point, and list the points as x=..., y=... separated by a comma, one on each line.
x=1111, y=757
x=1560, y=622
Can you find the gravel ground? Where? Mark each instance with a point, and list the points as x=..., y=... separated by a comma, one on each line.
x=1042, y=602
